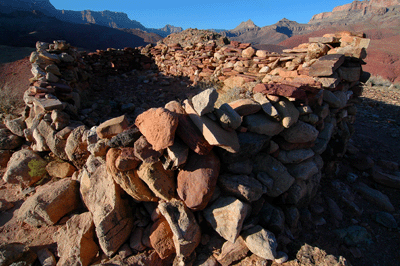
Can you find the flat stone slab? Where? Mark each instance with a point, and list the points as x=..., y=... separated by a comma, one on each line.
x=212, y=132
x=48, y=104
x=326, y=65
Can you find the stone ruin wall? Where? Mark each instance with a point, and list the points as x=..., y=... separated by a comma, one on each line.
x=244, y=164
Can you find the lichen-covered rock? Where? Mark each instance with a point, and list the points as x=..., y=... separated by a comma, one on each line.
x=25, y=167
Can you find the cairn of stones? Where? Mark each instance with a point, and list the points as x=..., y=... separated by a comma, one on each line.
x=212, y=169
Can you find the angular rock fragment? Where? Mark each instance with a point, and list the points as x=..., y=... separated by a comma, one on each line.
x=183, y=224
x=241, y=186
x=50, y=203
x=112, y=127
x=187, y=130
x=158, y=126
x=76, y=241
x=161, y=238
x=282, y=180
x=128, y=180
x=203, y=102
x=212, y=132
x=160, y=181
x=112, y=215
x=261, y=124
x=197, y=180
x=226, y=215
x=261, y=242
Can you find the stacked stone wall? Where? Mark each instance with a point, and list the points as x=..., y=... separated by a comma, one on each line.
x=245, y=166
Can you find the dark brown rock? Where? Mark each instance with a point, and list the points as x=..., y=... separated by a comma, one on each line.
x=197, y=180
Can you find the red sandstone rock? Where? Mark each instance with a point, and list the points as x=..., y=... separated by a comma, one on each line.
x=197, y=180
x=281, y=90
x=158, y=126
x=188, y=131
x=112, y=127
x=127, y=160
x=75, y=241
x=161, y=238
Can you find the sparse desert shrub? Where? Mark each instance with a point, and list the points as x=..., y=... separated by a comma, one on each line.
x=379, y=81
x=231, y=95
x=8, y=100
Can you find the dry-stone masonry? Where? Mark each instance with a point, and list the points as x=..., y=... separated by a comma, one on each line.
x=235, y=163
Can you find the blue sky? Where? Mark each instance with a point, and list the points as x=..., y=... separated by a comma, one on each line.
x=206, y=14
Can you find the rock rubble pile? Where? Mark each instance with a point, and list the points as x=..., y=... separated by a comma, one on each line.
x=183, y=177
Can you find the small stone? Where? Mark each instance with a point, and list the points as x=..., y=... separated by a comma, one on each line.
x=176, y=155
x=160, y=181
x=60, y=169
x=226, y=215
x=203, y=102
x=276, y=171
x=245, y=107
x=287, y=112
x=231, y=252
x=281, y=257
x=135, y=240
x=294, y=156
x=16, y=254
x=127, y=160
x=241, y=186
x=144, y=151
x=261, y=124
x=261, y=242
x=228, y=118
x=126, y=138
x=46, y=258
x=301, y=132
x=386, y=219
x=50, y=203
x=197, y=180
x=16, y=126
x=112, y=127
x=354, y=235
x=9, y=141
x=5, y=156
x=76, y=241
x=212, y=132
x=266, y=105
x=161, y=238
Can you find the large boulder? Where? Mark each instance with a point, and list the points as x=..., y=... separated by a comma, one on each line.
x=197, y=180
x=76, y=241
x=112, y=215
x=25, y=167
x=50, y=203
